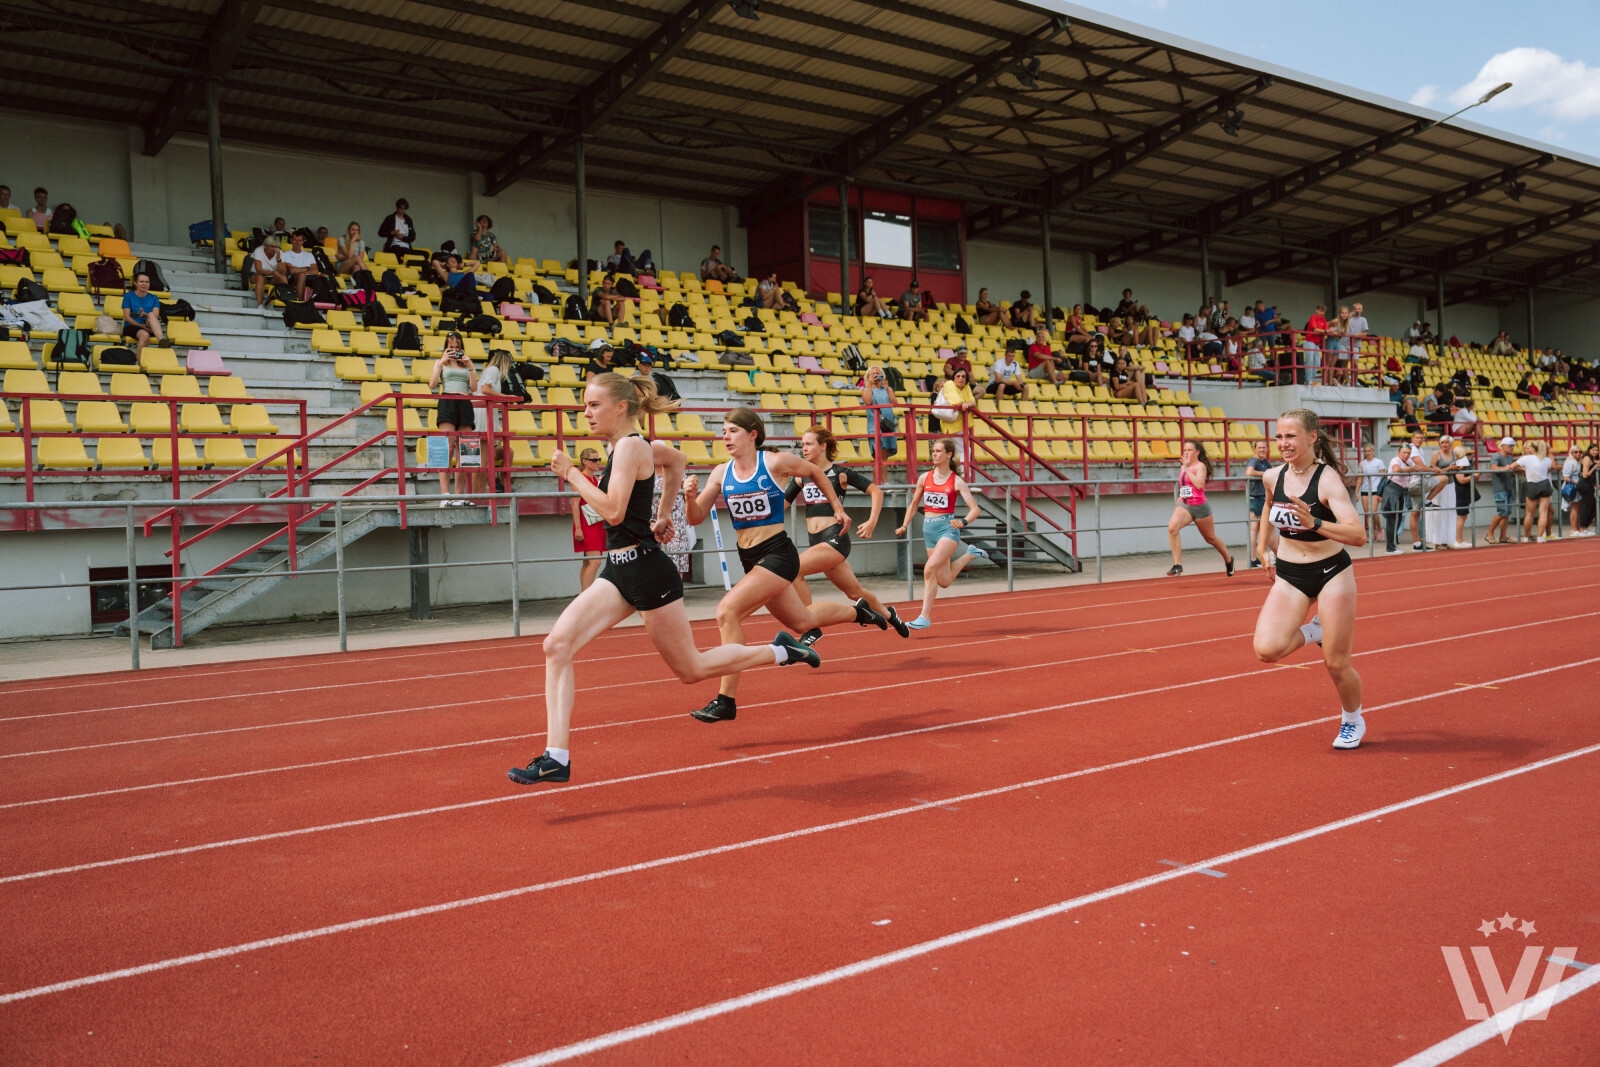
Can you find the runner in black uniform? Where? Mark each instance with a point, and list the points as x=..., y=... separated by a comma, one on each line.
x=829, y=549
x=1314, y=518
x=637, y=575
x=751, y=487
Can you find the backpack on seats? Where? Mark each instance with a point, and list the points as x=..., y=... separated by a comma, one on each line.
x=148, y=266
x=106, y=275
x=301, y=312
x=406, y=338
x=574, y=310
x=29, y=291
x=71, y=346
x=503, y=289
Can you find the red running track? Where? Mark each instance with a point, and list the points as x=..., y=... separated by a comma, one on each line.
x=983, y=844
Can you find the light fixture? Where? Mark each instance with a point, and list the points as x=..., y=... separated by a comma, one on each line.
x=1492, y=93
x=748, y=9
x=1515, y=189
x=1028, y=75
x=1484, y=99
x=1063, y=24
x=1231, y=121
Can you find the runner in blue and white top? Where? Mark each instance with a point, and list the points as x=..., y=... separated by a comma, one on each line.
x=750, y=484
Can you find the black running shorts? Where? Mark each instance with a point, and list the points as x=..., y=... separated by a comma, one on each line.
x=1309, y=578
x=644, y=575
x=835, y=538
x=776, y=554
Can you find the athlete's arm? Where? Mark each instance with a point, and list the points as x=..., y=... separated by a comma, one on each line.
x=792, y=492
x=672, y=464
x=1197, y=475
x=1346, y=527
x=698, y=507
x=868, y=486
x=1269, y=482
x=630, y=455
x=972, y=503
x=912, y=503
x=787, y=464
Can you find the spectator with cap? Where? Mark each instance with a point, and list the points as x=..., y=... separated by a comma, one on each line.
x=911, y=309
x=600, y=351
x=665, y=386
x=960, y=359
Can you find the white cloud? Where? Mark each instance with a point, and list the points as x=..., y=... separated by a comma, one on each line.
x=1569, y=91
x=1425, y=96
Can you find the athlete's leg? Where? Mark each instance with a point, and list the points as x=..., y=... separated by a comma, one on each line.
x=757, y=588
x=1336, y=608
x=1278, y=626
x=844, y=579
x=814, y=560
x=788, y=609
x=669, y=631
x=1208, y=529
x=593, y=612
x=955, y=567
x=1180, y=519
x=934, y=571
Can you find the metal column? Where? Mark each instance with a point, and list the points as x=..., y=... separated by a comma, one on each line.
x=421, y=607
x=219, y=228
x=582, y=206
x=1439, y=330
x=1333, y=278
x=1205, y=269
x=1531, y=341
x=1049, y=293
x=844, y=247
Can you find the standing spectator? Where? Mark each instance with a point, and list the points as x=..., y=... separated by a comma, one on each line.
x=40, y=212
x=1316, y=336
x=911, y=308
x=267, y=266
x=588, y=531
x=1256, y=494
x=1005, y=377
x=1042, y=362
x=399, y=229
x=1588, y=476
x=1571, y=469
x=1535, y=466
x=955, y=399
x=1417, y=490
x=869, y=304
x=1338, y=345
x=453, y=376
x=713, y=269
x=141, y=315
x=1355, y=329
x=492, y=383
x=352, y=250
x=1461, y=479
x=1373, y=468
x=1023, y=314
x=1396, y=491
x=876, y=394
x=484, y=244
x=1503, y=474
x=300, y=264
x=986, y=311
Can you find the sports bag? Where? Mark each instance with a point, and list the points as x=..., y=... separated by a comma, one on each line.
x=107, y=274
x=118, y=357
x=503, y=289
x=574, y=310
x=301, y=312
x=407, y=338
x=72, y=346
x=149, y=266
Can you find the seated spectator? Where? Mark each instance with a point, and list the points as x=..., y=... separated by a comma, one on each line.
x=458, y=274
x=1023, y=314
x=268, y=266
x=1501, y=345
x=1436, y=405
x=398, y=229
x=664, y=384
x=959, y=360
x=1406, y=410
x=620, y=261
x=1043, y=363
x=600, y=352
x=1426, y=337
x=322, y=237
x=1125, y=306
x=713, y=269
x=1006, y=377
x=911, y=308
x=300, y=264
x=1465, y=421
x=352, y=250
x=279, y=229
x=62, y=218
x=485, y=246
x=986, y=311
x=769, y=292
x=141, y=315
x=609, y=306
x=1126, y=381
x=1552, y=390
x=1077, y=331
x=1525, y=388
x=5, y=196
x=869, y=304
x=40, y=213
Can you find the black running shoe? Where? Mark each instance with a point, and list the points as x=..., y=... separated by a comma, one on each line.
x=898, y=623
x=543, y=768
x=799, y=652
x=721, y=709
x=865, y=616
x=811, y=637
x=1176, y=570
x=1230, y=568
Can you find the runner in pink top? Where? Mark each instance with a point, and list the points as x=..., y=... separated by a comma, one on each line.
x=1194, y=468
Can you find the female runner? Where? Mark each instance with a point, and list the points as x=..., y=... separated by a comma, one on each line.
x=637, y=575
x=1314, y=518
x=941, y=531
x=1194, y=468
x=829, y=551
x=749, y=483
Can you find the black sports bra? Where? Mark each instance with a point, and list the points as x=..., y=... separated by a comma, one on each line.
x=1287, y=522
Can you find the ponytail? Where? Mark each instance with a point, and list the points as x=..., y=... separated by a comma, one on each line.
x=1205, y=460
x=1322, y=444
x=638, y=393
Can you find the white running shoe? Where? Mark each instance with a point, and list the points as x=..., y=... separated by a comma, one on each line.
x=1350, y=734
x=1395, y=552
x=1313, y=629
x=921, y=622
x=1461, y=544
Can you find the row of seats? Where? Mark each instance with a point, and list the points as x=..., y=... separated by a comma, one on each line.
x=129, y=454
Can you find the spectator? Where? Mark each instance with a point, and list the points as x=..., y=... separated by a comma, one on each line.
x=769, y=292
x=1005, y=377
x=958, y=360
x=453, y=376
x=713, y=269
x=1588, y=476
x=609, y=306
x=1552, y=390
x=1256, y=495
x=1247, y=321
x=40, y=213
x=869, y=304
x=1417, y=489
x=955, y=399
x=1436, y=405
x=492, y=383
x=268, y=266
x=1408, y=413
x=1023, y=314
x=1526, y=390
x=1042, y=362
x=600, y=353
x=300, y=263
x=279, y=229
x=1127, y=380
x=1501, y=345
x=620, y=261
x=1124, y=306
x=1077, y=331
x=322, y=237
x=1316, y=337
x=1396, y=490
x=1427, y=337
x=459, y=275
x=5, y=196
x=588, y=531
x=141, y=315
x=1465, y=423
x=986, y=311
x=398, y=229
x=1355, y=329
x=1186, y=333
x=484, y=244
x=1338, y=346
x=1503, y=475
x=665, y=386
x=1535, y=465
x=911, y=308
x=352, y=250
x=876, y=394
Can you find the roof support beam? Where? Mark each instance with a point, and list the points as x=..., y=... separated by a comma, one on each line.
x=213, y=59
x=1375, y=229
x=1539, y=274
x=602, y=98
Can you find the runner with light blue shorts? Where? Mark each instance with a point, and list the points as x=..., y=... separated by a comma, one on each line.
x=936, y=492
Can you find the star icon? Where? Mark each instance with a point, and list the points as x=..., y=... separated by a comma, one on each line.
x=1507, y=922
x=1488, y=928
x=1526, y=928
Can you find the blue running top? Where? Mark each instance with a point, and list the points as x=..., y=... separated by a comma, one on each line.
x=757, y=502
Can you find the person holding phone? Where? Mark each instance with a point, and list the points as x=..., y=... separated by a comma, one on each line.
x=454, y=377
x=879, y=399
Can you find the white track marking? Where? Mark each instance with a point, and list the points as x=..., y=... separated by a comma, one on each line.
x=1489, y=1028
x=765, y=757
x=887, y=959
x=809, y=698
x=772, y=993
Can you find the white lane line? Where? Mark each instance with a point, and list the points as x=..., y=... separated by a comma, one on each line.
x=806, y=698
x=827, y=976
x=763, y=758
x=887, y=959
x=976, y=602
x=1489, y=1029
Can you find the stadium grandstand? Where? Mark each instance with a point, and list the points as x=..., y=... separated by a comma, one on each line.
x=1170, y=217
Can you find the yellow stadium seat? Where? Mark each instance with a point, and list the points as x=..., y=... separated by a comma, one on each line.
x=251, y=419
x=26, y=380
x=371, y=391
x=46, y=416
x=120, y=453
x=352, y=369
x=15, y=355
x=537, y=453
x=79, y=382
x=389, y=369
x=328, y=341
x=226, y=452
x=201, y=418
x=156, y=360
x=161, y=453
x=150, y=419
x=180, y=385
x=100, y=417
x=11, y=457
x=133, y=384
x=186, y=333
x=367, y=343
x=63, y=453
x=62, y=280
x=5, y=417
x=226, y=387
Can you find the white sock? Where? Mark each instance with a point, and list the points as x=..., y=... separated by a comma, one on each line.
x=780, y=653
x=560, y=755
x=1311, y=633
x=1350, y=717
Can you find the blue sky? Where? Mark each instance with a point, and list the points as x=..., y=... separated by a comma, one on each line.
x=1436, y=53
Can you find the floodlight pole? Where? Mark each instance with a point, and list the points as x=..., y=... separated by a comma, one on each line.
x=1530, y=319
x=1205, y=270
x=581, y=202
x=1440, y=334
x=844, y=247
x=1333, y=277
x=1049, y=293
x=219, y=229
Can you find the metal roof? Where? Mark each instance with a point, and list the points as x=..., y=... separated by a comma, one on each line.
x=1138, y=143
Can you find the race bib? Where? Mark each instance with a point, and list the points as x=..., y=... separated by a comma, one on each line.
x=933, y=501
x=1283, y=518
x=624, y=555
x=750, y=507
x=812, y=495
x=590, y=515
x=1185, y=492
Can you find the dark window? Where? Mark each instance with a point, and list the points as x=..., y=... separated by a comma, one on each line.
x=938, y=245
x=824, y=235
x=109, y=603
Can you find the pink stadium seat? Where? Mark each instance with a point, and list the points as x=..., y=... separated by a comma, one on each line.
x=203, y=362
